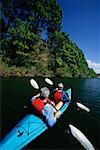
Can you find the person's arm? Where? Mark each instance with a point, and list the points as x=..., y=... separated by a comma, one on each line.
x=34, y=97
x=50, y=102
x=65, y=96
x=54, y=90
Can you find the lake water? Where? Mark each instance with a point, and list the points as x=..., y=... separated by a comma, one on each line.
x=15, y=104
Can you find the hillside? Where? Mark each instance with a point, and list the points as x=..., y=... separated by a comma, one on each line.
x=25, y=53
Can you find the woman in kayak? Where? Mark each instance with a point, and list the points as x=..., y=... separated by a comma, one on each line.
x=59, y=96
x=45, y=106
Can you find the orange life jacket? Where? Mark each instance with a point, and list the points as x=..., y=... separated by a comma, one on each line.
x=57, y=96
x=39, y=104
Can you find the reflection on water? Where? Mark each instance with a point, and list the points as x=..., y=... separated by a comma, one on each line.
x=15, y=101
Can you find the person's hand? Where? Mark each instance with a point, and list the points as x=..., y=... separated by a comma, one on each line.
x=53, y=103
x=38, y=95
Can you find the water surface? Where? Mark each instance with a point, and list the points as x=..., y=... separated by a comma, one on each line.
x=15, y=104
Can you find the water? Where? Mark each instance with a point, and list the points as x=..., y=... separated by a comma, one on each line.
x=15, y=101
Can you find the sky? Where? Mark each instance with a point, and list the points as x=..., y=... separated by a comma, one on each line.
x=81, y=20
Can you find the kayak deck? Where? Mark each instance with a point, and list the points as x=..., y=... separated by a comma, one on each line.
x=26, y=130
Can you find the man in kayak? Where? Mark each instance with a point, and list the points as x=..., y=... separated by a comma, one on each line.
x=45, y=106
x=59, y=96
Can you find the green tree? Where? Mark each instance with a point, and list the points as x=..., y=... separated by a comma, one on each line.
x=22, y=25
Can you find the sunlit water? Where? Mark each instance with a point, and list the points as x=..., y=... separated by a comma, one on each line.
x=15, y=104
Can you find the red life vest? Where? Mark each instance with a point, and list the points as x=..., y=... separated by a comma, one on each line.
x=38, y=104
x=57, y=96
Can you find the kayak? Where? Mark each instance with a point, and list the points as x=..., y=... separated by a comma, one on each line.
x=30, y=127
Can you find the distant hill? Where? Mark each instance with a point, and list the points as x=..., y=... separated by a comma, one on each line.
x=98, y=75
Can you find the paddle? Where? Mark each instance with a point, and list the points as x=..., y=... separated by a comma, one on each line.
x=34, y=84
x=81, y=138
x=81, y=106
x=75, y=132
x=48, y=81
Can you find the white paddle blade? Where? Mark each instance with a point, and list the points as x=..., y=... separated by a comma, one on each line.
x=34, y=84
x=81, y=138
x=83, y=107
x=48, y=81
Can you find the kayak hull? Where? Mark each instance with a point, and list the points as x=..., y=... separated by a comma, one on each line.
x=30, y=127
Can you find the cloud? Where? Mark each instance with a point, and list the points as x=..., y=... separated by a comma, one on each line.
x=97, y=70
x=95, y=66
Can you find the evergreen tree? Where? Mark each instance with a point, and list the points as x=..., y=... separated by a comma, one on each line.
x=22, y=45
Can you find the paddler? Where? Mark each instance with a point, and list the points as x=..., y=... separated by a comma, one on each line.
x=59, y=96
x=45, y=106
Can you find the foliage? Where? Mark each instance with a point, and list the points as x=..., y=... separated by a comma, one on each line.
x=22, y=45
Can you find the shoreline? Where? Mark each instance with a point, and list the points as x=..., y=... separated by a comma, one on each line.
x=39, y=75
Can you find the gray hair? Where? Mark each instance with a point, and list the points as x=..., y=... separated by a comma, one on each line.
x=45, y=92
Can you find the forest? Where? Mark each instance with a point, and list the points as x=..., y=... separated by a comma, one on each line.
x=33, y=42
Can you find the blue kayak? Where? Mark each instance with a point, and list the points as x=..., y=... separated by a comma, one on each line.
x=30, y=127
